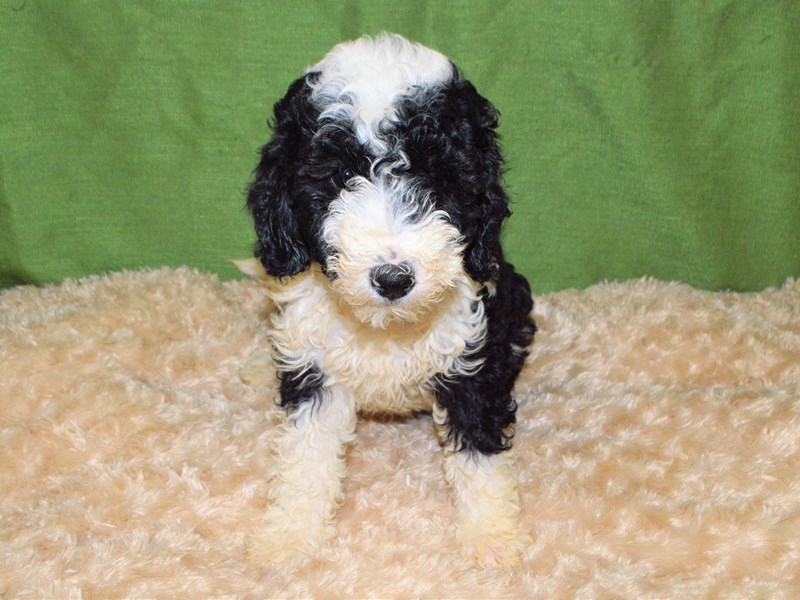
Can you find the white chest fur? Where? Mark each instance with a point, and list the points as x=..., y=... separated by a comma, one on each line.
x=386, y=370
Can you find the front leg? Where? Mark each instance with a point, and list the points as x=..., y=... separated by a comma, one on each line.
x=474, y=421
x=309, y=454
x=474, y=413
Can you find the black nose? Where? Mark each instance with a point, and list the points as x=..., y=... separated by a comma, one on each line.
x=392, y=281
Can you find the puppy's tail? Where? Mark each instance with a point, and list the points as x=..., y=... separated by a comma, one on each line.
x=252, y=268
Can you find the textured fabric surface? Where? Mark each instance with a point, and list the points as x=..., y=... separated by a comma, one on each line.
x=642, y=138
x=658, y=450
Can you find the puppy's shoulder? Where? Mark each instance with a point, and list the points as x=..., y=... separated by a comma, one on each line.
x=509, y=305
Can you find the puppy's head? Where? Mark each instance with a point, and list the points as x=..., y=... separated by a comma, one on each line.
x=384, y=169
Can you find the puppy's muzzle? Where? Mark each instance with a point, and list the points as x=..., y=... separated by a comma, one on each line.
x=392, y=281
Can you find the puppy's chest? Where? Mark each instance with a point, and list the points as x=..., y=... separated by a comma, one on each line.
x=386, y=370
x=384, y=373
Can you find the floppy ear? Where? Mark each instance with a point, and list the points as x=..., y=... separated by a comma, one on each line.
x=271, y=200
x=483, y=254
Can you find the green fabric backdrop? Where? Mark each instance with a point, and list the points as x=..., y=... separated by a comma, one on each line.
x=642, y=138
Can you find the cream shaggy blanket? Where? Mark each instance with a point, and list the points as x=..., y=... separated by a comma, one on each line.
x=658, y=447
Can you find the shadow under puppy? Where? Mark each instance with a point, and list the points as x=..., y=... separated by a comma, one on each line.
x=378, y=206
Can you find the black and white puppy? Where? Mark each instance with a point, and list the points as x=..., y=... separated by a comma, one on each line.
x=378, y=205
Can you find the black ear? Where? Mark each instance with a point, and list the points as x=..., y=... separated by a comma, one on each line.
x=271, y=199
x=483, y=254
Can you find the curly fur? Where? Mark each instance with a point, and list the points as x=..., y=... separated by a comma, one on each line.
x=657, y=452
x=378, y=205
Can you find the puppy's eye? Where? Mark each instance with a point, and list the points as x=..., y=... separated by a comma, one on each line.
x=345, y=176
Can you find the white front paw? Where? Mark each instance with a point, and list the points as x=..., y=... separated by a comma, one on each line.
x=492, y=546
x=285, y=538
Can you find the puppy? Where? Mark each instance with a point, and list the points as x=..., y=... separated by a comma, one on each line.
x=378, y=205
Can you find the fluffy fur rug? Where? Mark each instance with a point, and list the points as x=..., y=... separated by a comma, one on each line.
x=658, y=446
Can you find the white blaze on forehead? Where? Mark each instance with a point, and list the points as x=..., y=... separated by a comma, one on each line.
x=360, y=81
